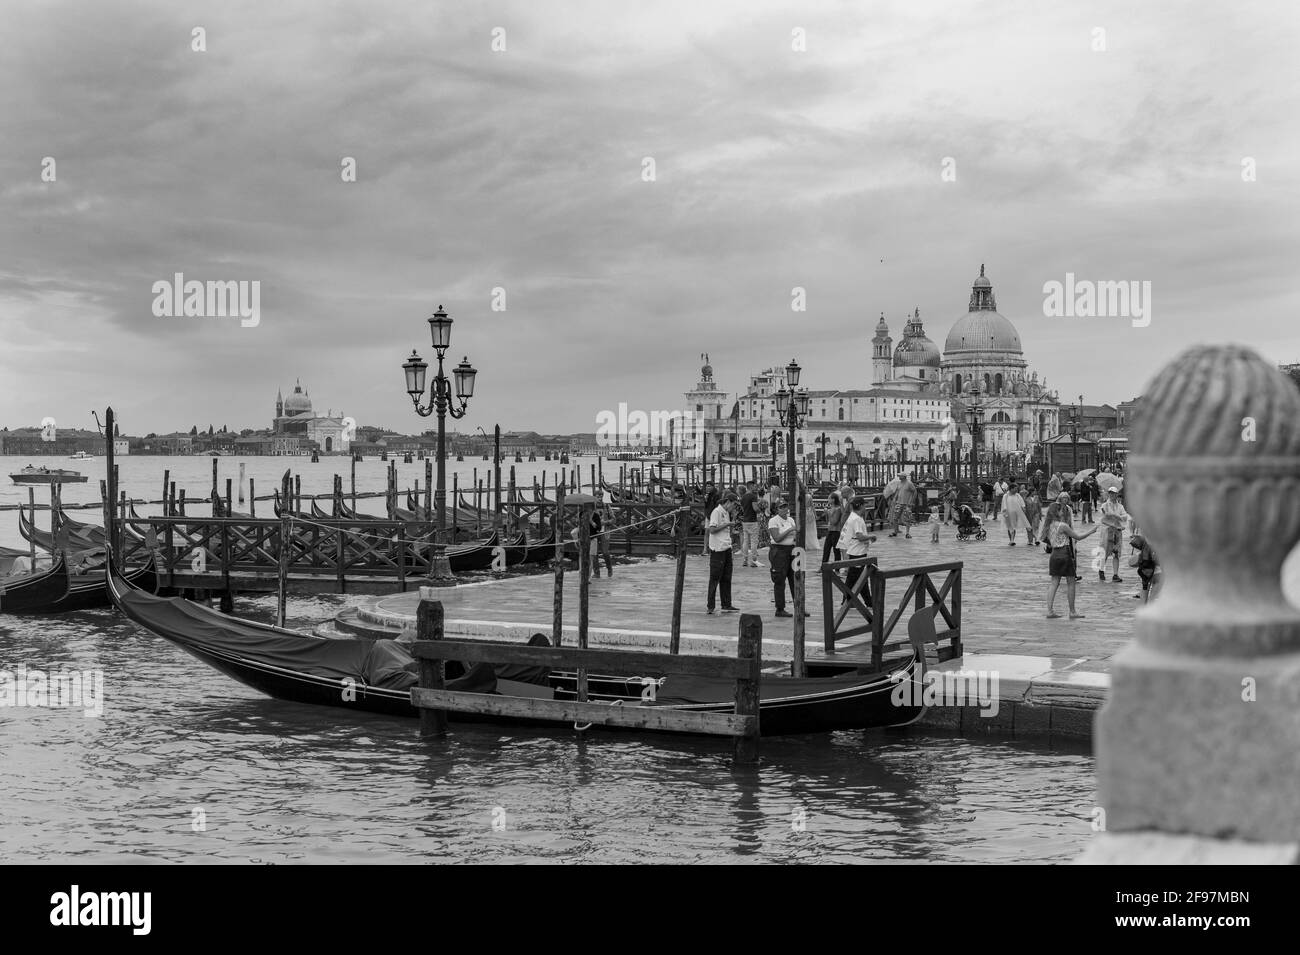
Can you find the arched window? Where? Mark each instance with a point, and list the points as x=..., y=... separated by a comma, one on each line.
x=329, y=444
x=798, y=448
x=956, y=384
x=841, y=414
x=1001, y=417
x=997, y=382
x=875, y=440
x=744, y=445
x=988, y=383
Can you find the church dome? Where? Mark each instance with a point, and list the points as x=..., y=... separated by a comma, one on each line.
x=298, y=402
x=916, y=348
x=982, y=329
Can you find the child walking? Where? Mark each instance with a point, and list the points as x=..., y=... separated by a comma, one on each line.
x=934, y=525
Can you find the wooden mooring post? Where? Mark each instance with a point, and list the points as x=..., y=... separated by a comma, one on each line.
x=557, y=607
x=286, y=529
x=679, y=581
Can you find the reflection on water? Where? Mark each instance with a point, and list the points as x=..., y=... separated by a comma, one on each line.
x=281, y=782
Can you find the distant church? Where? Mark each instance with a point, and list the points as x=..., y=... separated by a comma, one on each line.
x=915, y=389
x=296, y=428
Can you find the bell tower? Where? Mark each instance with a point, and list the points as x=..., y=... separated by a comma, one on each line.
x=882, y=355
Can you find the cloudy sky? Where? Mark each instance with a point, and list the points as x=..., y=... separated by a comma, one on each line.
x=522, y=169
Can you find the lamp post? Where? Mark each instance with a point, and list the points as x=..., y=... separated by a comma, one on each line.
x=441, y=403
x=1075, y=413
x=792, y=406
x=974, y=421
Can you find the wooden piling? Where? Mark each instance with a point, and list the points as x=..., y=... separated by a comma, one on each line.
x=283, y=569
x=354, y=479
x=557, y=605
x=167, y=477
x=749, y=647
x=679, y=582
x=401, y=557
x=180, y=504
x=216, y=497
x=584, y=588
x=429, y=626
x=252, y=499
x=31, y=503
x=230, y=503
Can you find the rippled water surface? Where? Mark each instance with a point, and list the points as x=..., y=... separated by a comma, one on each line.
x=283, y=782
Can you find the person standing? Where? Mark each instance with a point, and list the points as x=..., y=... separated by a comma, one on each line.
x=749, y=526
x=999, y=492
x=1114, y=519
x=934, y=524
x=950, y=494
x=904, y=500
x=986, y=499
x=1013, y=513
x=1062, y=564
x=856, y=539
x=711, y=501
x=1033, y=514
x=835, y=517
x=719, y=530
x=1055, y=485
x=1087, y=498
x=783, y=531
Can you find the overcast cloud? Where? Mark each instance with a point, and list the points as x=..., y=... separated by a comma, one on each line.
x=522, y=169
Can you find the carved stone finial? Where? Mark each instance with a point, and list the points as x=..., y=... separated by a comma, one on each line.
x=1219, y=425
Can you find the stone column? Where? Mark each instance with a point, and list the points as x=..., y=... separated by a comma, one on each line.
x=1198, y=745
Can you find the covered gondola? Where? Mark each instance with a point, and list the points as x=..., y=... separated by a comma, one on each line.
x=377, y=675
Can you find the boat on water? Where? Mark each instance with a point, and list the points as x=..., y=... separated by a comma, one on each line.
x=80, y=456
x=302, y=668
x=57, y=590
x=35, y=475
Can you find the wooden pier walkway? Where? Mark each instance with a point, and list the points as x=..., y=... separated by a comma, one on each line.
x=1002, y=610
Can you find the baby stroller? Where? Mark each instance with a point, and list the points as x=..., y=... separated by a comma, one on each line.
x=968, y=525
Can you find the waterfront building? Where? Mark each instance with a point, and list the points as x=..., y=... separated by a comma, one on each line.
x=915, y=390
x=297, y=429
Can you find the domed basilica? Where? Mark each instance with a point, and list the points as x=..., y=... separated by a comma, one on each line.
x=982, y=363
x=914, y=391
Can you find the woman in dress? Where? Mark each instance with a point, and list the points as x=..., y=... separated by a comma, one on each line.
x=1013, y=514
x=1060, y=536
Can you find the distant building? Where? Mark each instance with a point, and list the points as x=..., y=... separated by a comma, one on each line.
x=916, y=390
x=297, y=428
x=31, y=442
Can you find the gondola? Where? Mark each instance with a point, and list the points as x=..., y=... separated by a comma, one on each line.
x=81, y=537
x=73, y=592
x=377, y=675
x=21, y=594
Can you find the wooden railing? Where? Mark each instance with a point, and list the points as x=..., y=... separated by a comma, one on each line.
x=861, y=608
x=325, y=547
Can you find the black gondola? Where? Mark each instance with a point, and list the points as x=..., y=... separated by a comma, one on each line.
x=377, y=675
x=21, y=594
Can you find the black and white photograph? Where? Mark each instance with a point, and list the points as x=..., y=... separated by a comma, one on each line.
x=602, y=433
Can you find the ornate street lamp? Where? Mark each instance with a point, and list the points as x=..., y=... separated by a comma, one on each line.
x=792, y=406
x=441, y=403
